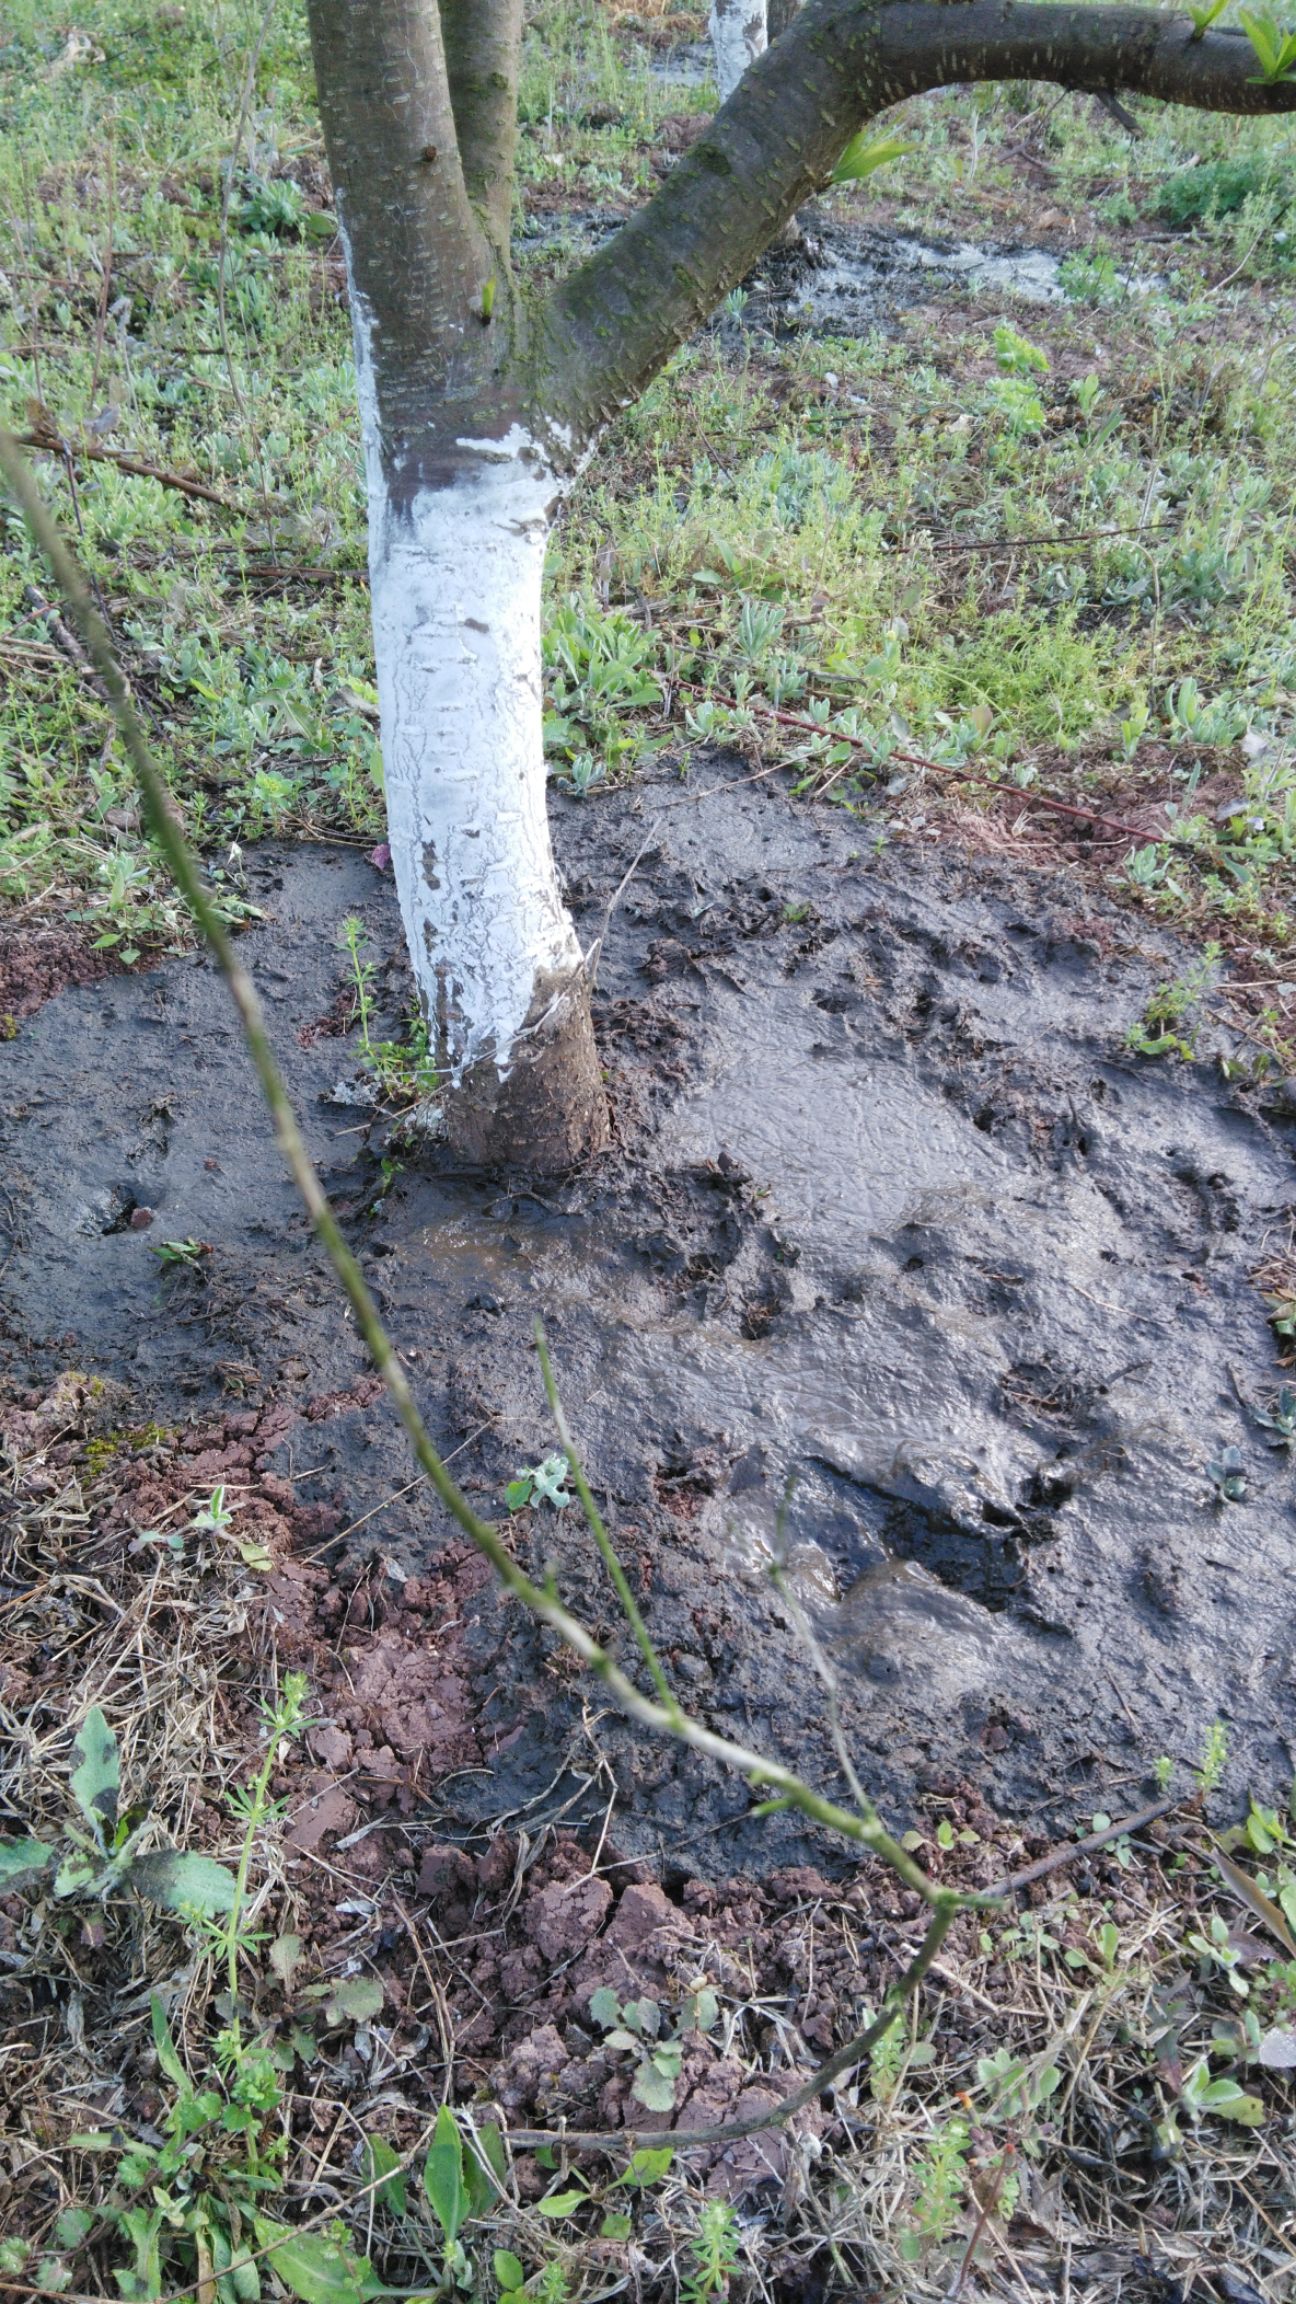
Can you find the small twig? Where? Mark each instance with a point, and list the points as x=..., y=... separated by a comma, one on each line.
x=1087, y=1846
x=51, y=440
x=1028, y=797
x=731, y=2131
x=67, y=642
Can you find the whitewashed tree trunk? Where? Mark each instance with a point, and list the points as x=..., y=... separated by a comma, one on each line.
x=455, y=577
x=738, y=37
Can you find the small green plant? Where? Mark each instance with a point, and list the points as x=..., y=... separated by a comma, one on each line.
x=404, y=1071
x=1204, y=15
x=940, y=2188
x=865, y=154
x=713, y=2254
x=1275, y=49
x=598, y=667
x=1279, y=1421
x=543, y=1483
x=1016, y=356
x=1089, y=276
x=1214, y=1759
x=1167, y=1025
x=188, y=2195
x=1225, y=2097
x=635, y=2026
x=1227, y=1475
x=99, y=1853
x=184, y=1255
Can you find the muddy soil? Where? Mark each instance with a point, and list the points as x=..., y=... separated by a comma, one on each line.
x=899, y=1267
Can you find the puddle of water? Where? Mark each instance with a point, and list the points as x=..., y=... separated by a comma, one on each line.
x=690, y=66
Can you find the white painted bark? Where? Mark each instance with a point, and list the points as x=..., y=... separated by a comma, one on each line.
x=455, y=577
x=738, y=37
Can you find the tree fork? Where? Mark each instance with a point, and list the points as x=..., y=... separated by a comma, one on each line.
x=477, y=412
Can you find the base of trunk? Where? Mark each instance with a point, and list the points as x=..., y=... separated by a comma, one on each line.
x=549, y=1112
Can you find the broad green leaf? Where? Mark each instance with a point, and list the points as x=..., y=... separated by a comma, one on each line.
x=97, y=1781
x=483, y=2185
x=561, y=2203
x=864, y=154
x=649, y=2165
x=705, y=2009
x=616, y=2225
x=382, y=2169
x=72, y=2227
x=509, y=2269
x=443, y=2175
x=654, y=2088
x=164, y=2044
x=517, y=1495
x=182, y=1882
x=317, y=2266
x=75, y=1874
x=22, y=1861
x=604, y=2007
x=354, y=2000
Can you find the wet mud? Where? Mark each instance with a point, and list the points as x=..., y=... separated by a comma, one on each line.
x=900, y=1269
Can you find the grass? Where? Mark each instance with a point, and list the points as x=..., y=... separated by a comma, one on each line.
x=984, y=553
x=1064, y=566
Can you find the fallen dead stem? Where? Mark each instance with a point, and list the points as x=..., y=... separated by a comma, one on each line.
x=980, y=778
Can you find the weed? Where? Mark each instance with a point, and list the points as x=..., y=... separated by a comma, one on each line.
x=182, y=1255
x=100, y=1853
x=1166, y=1027
x=188, y=2199
x=599, y=680
x=635, y=2026
x=713, y=2254
x=543, y=1483
x=403, y=1070
x=1214, y=1759
x=1227, y=1475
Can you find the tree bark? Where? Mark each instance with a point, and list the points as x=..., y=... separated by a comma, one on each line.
x=483, y=47
x=461, y=494
x=738, y=37
x=609, y=327
x=780, y=14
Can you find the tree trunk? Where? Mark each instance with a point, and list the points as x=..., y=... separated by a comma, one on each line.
x=780, y=14
x=461, y=495
x=738, y=37
x=455, y=574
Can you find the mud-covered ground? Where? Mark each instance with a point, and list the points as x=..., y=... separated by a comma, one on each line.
x=900, y=1265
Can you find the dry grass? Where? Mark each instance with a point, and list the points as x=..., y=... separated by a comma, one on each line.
x=939, y=2173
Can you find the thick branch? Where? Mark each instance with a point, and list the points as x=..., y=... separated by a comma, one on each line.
x=483, y=48
x=417, y=258
x=610, y=326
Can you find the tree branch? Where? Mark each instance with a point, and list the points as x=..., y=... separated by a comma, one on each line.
x=483, y=49
x=417, y=257
x=612, y=324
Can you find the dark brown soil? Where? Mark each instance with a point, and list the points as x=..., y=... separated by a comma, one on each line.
x=37, y=962
x=900, y=1265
